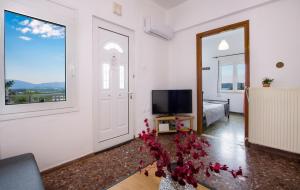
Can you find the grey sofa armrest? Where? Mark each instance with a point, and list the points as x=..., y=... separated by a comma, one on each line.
x=20, y=173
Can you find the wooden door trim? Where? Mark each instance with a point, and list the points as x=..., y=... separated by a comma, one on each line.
x=245, y=25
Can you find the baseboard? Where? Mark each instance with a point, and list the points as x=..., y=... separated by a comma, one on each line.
x=283, y=153
x=79, y=159
x=115, y=146
x=237, y=113
x=67, y=163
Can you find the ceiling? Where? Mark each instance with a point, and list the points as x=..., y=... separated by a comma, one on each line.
x=168, y=4
x=235, y=39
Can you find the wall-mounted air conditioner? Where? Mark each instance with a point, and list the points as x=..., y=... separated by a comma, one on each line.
x=158, y=29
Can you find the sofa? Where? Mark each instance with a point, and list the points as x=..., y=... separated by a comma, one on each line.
x=20, y=173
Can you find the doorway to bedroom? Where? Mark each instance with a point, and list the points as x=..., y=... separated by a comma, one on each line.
x=223, y=80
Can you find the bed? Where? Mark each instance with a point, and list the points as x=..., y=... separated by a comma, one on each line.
x=214, y=110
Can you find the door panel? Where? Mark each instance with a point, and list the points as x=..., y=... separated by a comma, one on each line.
x=105, y=110
x=111, y=75
x=113, y=52
x=122, y=108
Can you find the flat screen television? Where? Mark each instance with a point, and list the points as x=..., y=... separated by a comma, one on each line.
x=171, y=101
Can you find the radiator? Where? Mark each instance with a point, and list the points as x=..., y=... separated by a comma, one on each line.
x=274, y=118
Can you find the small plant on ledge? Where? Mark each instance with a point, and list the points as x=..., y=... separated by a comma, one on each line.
x=190, y=151
x=267, y=82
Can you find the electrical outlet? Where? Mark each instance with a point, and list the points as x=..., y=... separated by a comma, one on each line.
x=117, y=9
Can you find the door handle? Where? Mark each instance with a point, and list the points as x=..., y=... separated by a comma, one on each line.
x=130, y=95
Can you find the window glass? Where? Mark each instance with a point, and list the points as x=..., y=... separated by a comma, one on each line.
x=35, y=60
x=105, y=75
x=112, y=45
x=240, y=76
x=122, y=77
x=227, y=77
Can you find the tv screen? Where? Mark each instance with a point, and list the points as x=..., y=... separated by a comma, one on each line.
x=171, y=101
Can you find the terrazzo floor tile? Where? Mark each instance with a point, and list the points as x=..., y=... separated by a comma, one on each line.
x=264, y=170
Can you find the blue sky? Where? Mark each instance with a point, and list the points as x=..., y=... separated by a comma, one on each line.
x=34, y=50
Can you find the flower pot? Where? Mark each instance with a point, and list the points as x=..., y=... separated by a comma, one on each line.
x=266, y=85
x=168, y=184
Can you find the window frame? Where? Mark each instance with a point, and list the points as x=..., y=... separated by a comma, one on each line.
x=234, y=78
x=41, y=11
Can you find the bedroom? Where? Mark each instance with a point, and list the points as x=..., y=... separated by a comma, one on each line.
x=223, y=84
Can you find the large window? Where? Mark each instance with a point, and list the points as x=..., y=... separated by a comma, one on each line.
x=38, y=59
x=231, y=77
x=227, y=77
x=35, y=60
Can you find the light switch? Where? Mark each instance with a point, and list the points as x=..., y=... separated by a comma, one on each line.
x=117, y=9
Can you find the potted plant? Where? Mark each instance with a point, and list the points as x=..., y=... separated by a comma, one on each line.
x=181, y=173
x=267, y=82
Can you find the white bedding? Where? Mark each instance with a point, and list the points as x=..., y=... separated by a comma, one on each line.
x=213, y=112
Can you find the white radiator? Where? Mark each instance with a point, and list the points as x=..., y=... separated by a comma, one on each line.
x=274, y=118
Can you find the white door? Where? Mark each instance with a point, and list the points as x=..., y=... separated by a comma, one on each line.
x=112, y=98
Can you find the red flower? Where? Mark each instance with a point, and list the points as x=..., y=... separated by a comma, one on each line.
x=233, y=173
x=239, y=172
x=203, y=153
x=207, y=173
x=224, y=167
x=189, y=151
x=196, y=155
x=160, y=173
x=181, y=182
x=216, y=167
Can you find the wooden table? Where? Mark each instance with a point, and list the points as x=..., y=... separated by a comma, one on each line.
x=139, y=181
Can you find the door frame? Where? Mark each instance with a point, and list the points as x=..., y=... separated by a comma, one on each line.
x=199, y=37
x=99, y=23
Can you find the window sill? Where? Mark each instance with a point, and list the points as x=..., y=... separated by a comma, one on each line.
x=232, y=92
x=16, y=116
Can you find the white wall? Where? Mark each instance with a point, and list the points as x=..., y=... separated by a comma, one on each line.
x=59, y=138
x=274, y=36
x=210, y=84
x=193, y=12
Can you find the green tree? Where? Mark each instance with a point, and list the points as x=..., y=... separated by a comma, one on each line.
x=9, y=84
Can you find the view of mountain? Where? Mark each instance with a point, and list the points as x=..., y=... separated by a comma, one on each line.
x=27, y=85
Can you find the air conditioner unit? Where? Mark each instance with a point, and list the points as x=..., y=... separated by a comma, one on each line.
x=158, y=29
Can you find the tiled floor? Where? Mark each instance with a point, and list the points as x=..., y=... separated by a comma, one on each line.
x=229, y=130
x=265, y=171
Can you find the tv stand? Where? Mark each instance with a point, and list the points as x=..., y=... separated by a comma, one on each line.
x=169, y=121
